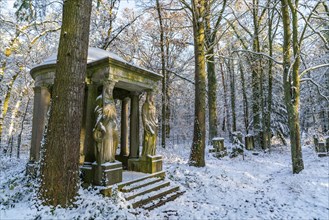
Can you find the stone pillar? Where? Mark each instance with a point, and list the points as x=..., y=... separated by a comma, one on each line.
x=124, y=128
x=134, y=126
x=40, y=108
x=90, y=105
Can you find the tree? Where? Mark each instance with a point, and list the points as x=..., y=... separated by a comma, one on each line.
x=164, y=79
x=210, y=34
x=199, y=133
x=60, y=162
x=291, y=81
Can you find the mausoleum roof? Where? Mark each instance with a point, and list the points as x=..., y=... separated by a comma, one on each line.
x=102, y=65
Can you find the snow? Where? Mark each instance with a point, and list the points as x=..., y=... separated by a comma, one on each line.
x=258, y=187
x=94, y=54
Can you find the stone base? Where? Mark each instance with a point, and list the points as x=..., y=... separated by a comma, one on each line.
x=31, y=169
x=106, y=191
x=86, y=174
x=219, y=148
x=105, y=174
x=123, y=160
x=249, y=142
x=321, y=147
x=148, y=164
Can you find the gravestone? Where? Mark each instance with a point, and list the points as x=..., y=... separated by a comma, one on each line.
x=218, y=147
x=249, y=142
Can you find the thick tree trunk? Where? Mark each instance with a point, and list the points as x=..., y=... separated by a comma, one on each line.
x=212, y=96
x=267, y=116
x=255, y=76
x=210, y=35
x=198, y=145
x=60, y=163
x=291, y=82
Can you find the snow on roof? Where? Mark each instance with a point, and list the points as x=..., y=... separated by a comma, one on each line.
x=94, y=54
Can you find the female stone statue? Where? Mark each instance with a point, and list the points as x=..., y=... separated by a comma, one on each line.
x=150, y=123
x=105, y=131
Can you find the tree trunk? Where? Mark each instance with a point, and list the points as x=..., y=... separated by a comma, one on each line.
x=212, y=95
x=226, y=120
x=164, y=79
x=245, y=100
x=210, y=35
x=267, y=117
x=19, y=139
x=198, y=145
x=291, y=82
x=256, y=76
x=60, y=165
x=230, y=66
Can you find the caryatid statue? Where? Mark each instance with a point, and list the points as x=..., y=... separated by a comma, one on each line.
x=150, y=123
x=105, y=131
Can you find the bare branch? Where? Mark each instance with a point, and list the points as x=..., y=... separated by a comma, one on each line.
x=260, y=54
x=312, y=68
x=317, y=87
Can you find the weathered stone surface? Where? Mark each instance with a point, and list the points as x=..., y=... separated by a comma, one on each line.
x=218, y=144
x=123, y=159
x=249, y=142
x=321, y=147
x=148, y=164
x=86, y=173
x=150, y=124
x=107, y=174
x=106, y=191
x=134, y=126
x=218, y=147
x=102, y=175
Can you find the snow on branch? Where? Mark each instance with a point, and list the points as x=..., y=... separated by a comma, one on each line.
x=312, y=68
x=317, y=87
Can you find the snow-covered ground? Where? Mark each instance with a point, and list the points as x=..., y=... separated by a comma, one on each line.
x=259, y=187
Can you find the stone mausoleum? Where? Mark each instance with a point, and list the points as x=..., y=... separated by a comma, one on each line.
x=109, y=78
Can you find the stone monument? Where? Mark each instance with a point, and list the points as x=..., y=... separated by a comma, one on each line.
x=105, y=170
x=149, y=161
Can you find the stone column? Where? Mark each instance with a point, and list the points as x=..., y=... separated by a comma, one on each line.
x=90, y=105
x=124, y=128
x=134, y=126
x=40, y=108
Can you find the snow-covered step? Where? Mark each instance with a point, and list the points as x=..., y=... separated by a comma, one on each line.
x=149, y=197
x=163, y=200
x=146, y=189
x=141, y=182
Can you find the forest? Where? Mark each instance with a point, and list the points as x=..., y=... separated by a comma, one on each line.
x=240, y=113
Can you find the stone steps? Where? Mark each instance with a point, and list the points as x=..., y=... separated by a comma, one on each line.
x=149, y=197
x=149, y=192
x=153, y=187
x=163, y=200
